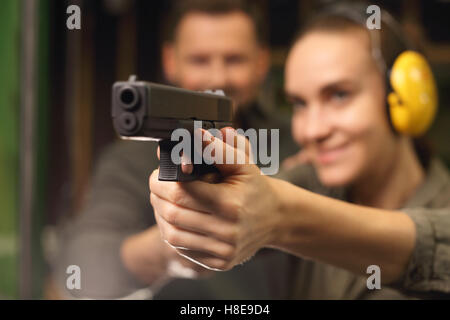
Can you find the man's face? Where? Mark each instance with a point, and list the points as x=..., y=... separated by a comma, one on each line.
x=339, y=101
x=217, y=52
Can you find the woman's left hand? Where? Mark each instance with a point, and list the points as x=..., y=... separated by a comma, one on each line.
x=218, y=225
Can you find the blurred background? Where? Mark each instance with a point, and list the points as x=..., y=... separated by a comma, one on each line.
x=55, y=118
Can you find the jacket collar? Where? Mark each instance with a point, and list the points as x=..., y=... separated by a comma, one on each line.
x=436, y=179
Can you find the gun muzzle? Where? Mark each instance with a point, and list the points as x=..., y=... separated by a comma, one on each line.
x=151, y=112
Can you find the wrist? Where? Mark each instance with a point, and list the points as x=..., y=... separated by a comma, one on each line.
x=143, y=255
x=283, y=208
x=296, y=223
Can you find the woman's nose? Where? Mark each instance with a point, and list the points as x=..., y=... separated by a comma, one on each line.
x=316, y=124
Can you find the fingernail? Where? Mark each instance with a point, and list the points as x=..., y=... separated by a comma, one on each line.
x=208, y=135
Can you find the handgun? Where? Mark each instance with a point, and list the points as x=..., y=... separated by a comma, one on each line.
x=146, y=111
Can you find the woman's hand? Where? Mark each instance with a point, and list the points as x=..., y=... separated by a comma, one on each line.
x=218, y=225
x=148, y=258
x=221, y=225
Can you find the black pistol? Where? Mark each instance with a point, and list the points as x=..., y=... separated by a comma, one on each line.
x=147, y=111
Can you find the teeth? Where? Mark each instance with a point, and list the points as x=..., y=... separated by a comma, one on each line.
x=216, y=92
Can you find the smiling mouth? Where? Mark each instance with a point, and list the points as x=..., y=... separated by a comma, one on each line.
x=329, y=155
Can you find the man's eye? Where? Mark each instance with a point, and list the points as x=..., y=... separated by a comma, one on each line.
x=235, y=59
x=198, y=60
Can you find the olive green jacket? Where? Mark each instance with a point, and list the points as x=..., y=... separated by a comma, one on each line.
x=428, y=271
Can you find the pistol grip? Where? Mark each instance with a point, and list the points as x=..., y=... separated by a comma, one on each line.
x=169, y=171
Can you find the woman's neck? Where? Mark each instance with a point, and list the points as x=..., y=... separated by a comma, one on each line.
x=393, y=184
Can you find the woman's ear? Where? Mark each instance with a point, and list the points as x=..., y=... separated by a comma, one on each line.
x=169, y=62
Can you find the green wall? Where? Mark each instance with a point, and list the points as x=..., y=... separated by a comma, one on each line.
x=10, y=22
x=9, y=145
x=42, y=151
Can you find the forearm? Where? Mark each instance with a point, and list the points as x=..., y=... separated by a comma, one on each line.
x=343, y=234
x=144, y=256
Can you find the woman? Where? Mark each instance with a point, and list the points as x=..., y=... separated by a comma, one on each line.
x=396, y=208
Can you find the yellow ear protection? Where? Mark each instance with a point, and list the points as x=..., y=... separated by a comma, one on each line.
x=412, y=94
x=413, y=100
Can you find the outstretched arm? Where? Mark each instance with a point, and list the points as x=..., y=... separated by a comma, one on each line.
x=222, y=225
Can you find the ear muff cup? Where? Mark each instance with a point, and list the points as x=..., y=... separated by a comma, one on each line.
x=413, y=100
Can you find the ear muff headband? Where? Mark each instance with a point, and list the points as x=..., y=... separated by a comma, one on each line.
x=413, y=101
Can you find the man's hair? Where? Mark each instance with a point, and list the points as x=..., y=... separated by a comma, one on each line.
x=252, y=8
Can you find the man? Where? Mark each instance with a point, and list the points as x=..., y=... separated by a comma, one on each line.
x=210, y=45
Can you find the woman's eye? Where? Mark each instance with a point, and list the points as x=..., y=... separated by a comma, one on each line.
x=298, y=105
x=340, y=95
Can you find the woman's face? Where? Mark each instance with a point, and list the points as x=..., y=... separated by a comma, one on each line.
x=338, y=96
